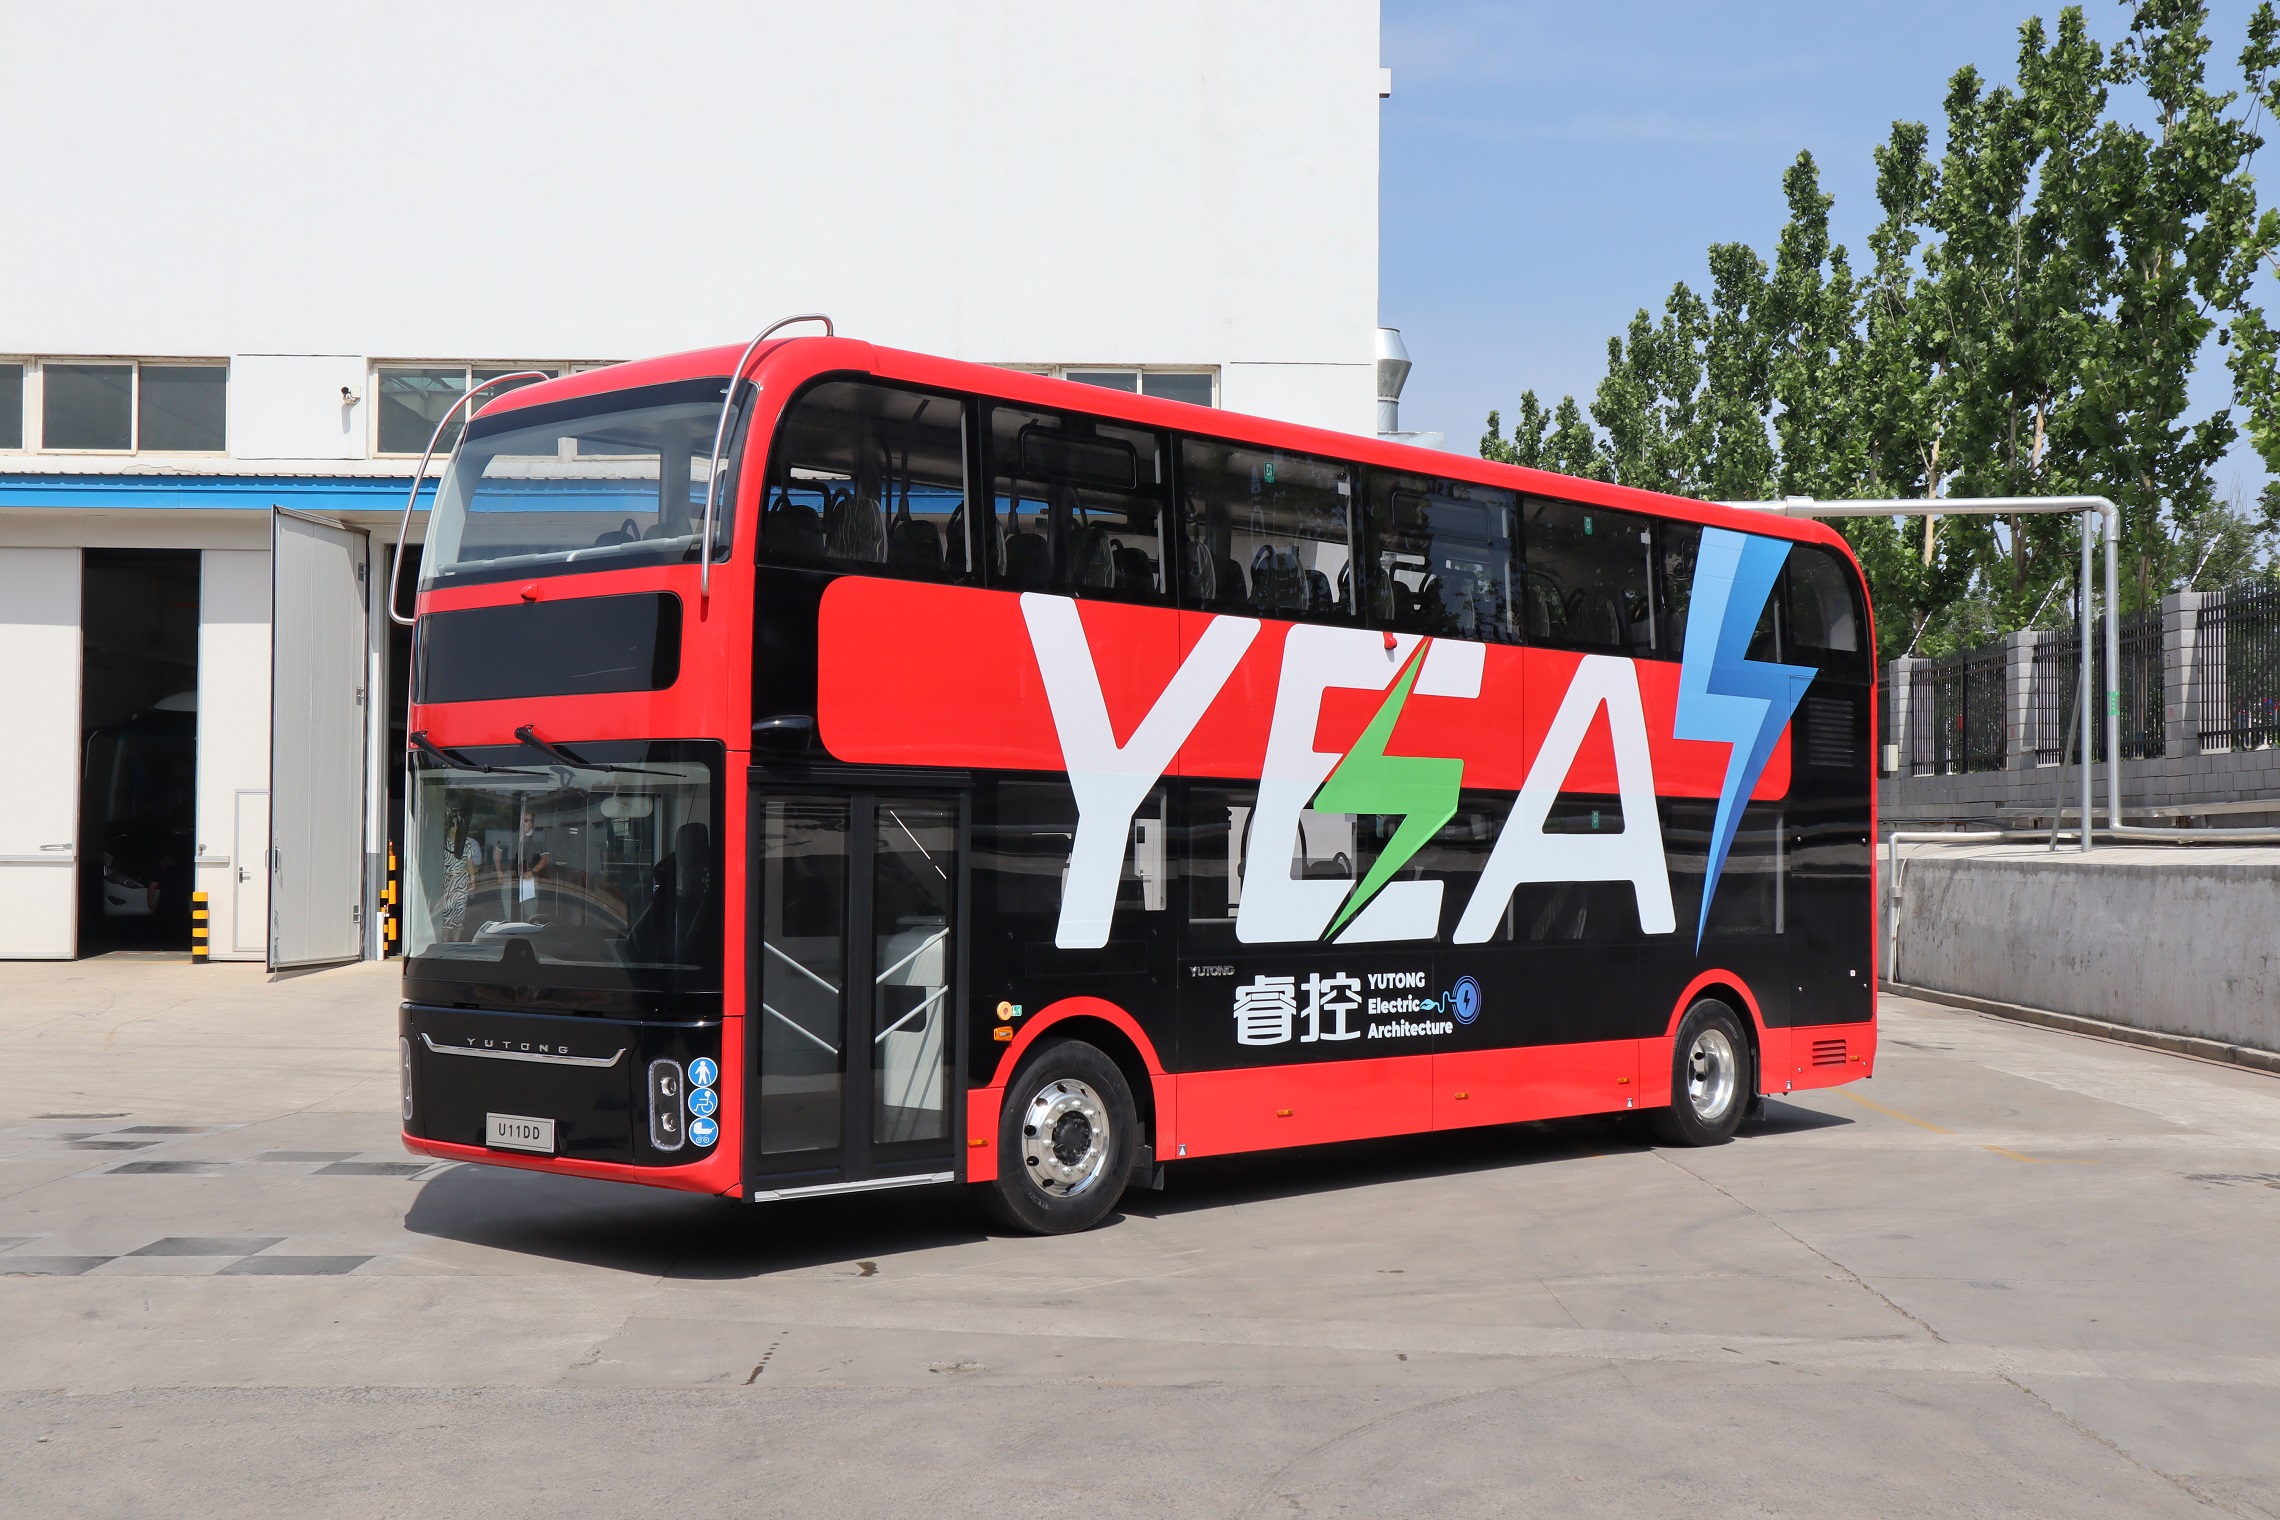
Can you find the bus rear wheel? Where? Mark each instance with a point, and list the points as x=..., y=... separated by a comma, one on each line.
x=1067, y=1135
x=1710, y=1078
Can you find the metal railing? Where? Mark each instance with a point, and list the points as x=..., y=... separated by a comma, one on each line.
x=2236, y=669
x=1956, y=716
x=2053, y=682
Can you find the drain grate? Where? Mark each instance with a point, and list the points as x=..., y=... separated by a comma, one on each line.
x=374, y=1169
x=165, y=1169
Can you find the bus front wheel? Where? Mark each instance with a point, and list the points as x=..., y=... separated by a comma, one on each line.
x=1067, y=1135
x=1710, y=1078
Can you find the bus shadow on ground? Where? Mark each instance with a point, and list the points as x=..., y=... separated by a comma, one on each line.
x=653, y=1233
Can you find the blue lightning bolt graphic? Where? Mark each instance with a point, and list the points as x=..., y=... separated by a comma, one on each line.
x=1724, y=696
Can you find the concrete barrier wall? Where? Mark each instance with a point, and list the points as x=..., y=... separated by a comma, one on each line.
x=2184, y=941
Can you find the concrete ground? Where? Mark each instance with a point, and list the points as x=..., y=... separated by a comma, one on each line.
x=2019, y=1273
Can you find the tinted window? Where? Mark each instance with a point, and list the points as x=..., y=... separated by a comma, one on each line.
x=1191, y=386
x=183, y=407
x=1589, y=581
x=412, y=402
x=596, y=483
x=1076, y=505
x=870, y=477
x=11, y=406
x=1441, y=558
x=1677, y=545
x=1266, y=532
x=87, y=406
x=550, y=649
x=1825, y=624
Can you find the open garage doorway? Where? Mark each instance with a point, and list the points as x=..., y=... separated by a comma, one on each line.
x=138, y=780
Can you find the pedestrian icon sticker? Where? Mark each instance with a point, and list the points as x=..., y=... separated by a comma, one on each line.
x=703, y=1072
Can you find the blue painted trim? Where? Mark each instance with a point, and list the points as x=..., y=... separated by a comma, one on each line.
x=207, y=493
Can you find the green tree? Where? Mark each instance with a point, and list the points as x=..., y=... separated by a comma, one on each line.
x=2037, y=304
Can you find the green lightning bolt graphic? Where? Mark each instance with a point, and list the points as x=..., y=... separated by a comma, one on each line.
x=1368, y=780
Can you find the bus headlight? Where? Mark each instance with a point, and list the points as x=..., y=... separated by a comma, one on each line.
x=667, y=1097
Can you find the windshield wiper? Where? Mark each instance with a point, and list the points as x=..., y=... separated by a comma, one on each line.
x=458, y=762
x=528, y=734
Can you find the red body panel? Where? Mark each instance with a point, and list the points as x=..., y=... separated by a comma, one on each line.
x=946, y=675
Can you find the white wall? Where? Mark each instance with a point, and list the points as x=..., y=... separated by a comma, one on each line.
x=1190, y=181
x=233, y=744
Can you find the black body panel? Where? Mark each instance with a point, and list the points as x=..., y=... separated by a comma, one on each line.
x=600, y=1113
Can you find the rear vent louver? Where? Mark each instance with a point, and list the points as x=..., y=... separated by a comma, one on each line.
x=1828, y=1052
x=1829, y=732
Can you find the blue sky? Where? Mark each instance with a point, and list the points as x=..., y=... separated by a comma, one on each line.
x=1549, y=168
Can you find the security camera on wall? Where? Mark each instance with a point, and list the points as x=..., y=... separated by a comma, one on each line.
x=349, y=397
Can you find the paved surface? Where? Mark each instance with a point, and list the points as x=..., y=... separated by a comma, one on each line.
x=2020, y=1273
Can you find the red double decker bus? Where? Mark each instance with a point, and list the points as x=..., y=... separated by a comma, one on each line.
x=1026, y=785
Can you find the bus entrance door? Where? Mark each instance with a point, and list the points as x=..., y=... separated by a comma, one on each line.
x=854, y=1016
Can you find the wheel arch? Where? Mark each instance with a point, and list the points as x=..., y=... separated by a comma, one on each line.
x=1732, y=990
x=1101, y=1024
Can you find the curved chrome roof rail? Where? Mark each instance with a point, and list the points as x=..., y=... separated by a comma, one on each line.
x=404, y=529
x=720, y=435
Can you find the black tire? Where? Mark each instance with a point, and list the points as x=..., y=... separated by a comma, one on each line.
x=1712, y=1078
x=1067, y=1136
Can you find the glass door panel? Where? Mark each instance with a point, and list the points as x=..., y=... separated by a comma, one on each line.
x=803, y=974
x=913, y=878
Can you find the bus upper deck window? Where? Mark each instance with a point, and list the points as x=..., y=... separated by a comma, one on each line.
x=1590, y=577
x=1440, y=558
x=870, y=477
x=1825, y=625
x=1267, y=532
x=1076, y=505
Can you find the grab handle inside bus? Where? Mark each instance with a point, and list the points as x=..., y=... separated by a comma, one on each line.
x=720, y=436
x=404, y=529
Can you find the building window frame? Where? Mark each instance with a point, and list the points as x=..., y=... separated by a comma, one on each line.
x=376, y=369
x=1097, y=374
x=26, y=366
x=35, y=410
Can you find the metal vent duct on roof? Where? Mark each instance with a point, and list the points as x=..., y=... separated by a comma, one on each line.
x=1392, y=375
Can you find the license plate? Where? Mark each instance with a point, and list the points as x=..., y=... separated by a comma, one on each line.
x=515, y=1132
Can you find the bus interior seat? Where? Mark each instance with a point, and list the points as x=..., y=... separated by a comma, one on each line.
x=914, y=546
x=1595, y=618
x=671, y=926
x=792, y=529
x=1135, y=571
x=1027, y=564
x=627, y=532
x=1547, y=616
x=1091, y=561
x=855, y=528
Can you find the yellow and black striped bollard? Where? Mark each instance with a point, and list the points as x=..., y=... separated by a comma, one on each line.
x=198, y=917
x=392, y=911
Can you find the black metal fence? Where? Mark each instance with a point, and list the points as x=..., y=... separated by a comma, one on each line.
x=2236, y=670
x=1959, y=709
x=1956, y=714
x=2143, y=690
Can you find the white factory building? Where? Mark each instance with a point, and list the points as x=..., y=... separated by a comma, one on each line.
x=246, y=276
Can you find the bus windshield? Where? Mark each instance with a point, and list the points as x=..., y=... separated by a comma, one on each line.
x=602, y=875
x=591, y=484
